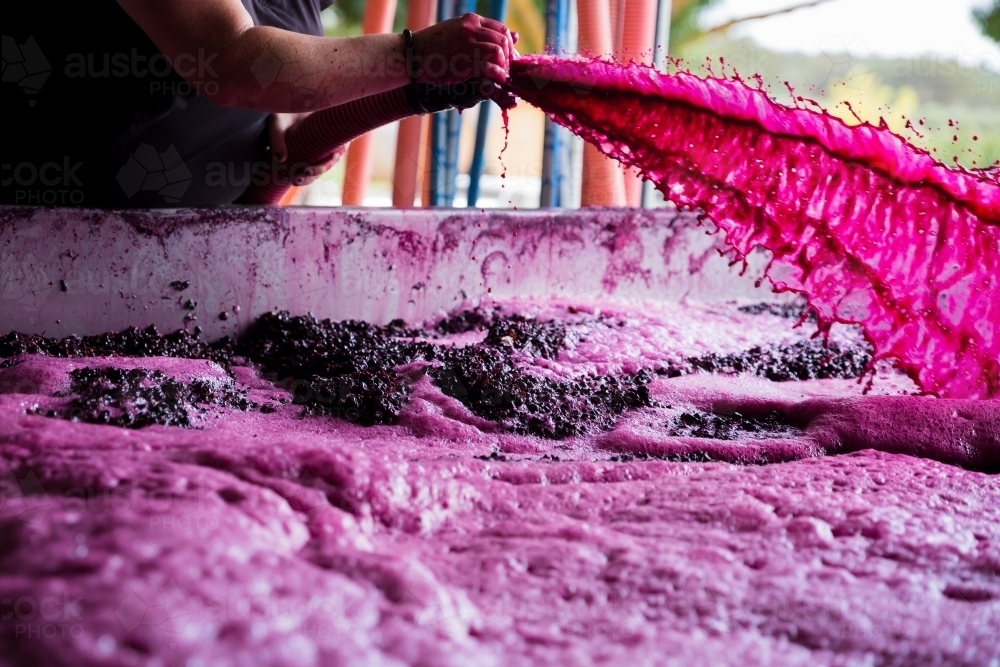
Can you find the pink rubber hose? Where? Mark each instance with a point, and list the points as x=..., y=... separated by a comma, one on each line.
x=314, y=139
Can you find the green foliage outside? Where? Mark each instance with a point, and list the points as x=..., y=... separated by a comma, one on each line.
x=988, y=19
x=957, y=105
x=685, y=23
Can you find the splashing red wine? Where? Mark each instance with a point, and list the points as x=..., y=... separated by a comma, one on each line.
x=870, y=229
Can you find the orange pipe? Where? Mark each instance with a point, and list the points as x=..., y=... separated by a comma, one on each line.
x=617, y=10
x=409, y=165
x=602, y=183
x=638, y=31
x=408, y=168
x=290, y=197
x=378, y=18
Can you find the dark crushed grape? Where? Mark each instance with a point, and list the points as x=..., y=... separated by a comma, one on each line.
x=700, y=456
x=346, y=369
x=485, y=379
x=304, y=347
x=465, y=321
x=494, y=456
x=805, y=360
x=792, y=310
x=398, y=329
x=370, y=397
x=730, y=427
x=131, y=342
x=134, y=398
x=180, y=285
x=542, y=339
x=686, y=457
x=341, y=369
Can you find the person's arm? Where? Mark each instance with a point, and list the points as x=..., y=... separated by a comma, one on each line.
x=214, y=45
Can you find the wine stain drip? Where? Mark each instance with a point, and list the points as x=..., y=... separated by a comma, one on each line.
x=506, y=141
x=870, y=229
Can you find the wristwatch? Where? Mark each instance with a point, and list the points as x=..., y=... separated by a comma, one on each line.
x=411, y=66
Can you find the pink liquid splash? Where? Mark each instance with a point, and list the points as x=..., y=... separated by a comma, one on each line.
x=870, y=229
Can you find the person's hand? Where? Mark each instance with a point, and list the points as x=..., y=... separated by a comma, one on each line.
x=467, y=47
x=277, y=125
x=431, y=98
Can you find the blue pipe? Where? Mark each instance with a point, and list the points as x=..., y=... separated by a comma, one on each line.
x=453, y=127
x=498, y=11
x=554, y=158
x=439, y=131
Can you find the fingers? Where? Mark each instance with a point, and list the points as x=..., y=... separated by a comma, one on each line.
x=495, y=25
x=277, y=123
x=487, y=41
x=313, y=172
x=495, y=39
x=485, y=36
x=337, y=153
x=496, y=64
x=495, y=72
x=307, y=177
x=500, y=34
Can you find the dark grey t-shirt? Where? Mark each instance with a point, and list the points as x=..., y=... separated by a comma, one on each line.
x=98, y=116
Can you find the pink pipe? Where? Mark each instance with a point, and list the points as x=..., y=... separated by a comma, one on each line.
x=314, y=139
x=602, y=183
x=408, y=145
x=638, y=31
x=378, y=18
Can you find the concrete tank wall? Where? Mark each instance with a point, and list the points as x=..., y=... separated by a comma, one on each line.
x=82, y=271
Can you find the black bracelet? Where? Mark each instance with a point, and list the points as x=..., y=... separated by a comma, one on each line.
x=411, y=70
